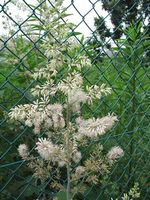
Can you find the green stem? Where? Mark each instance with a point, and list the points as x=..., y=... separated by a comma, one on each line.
x=68, y=154
x=68, y=182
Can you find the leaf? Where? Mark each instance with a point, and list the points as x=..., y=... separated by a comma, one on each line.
x=62, y=195
x=65, y=15
x=74, y=34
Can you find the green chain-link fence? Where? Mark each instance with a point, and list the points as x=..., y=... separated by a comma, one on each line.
x=122, y=64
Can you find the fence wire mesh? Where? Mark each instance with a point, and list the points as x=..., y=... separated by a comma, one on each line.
x=123, y=64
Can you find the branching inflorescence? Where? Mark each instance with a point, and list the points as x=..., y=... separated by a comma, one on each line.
x=56, y=115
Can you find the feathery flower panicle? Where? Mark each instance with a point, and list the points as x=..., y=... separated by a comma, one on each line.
x=54, y=108
x=66, y=131
x=58, y=121
x=75, y=97
x=48, y=123
x=28, y=123
x=39, y=115
x=23, y=151
x=51, y=152
x=85, y=61
x=72, y=81
x=46, y=73
x=80, y=170
x=80, y=62
x=76, y=157
x=95, y=127
x=44, y=90
x=115, y=153
x=28, y=112
x=19, y=112
x=55, y=111
x=96, y=92
x=46, y=149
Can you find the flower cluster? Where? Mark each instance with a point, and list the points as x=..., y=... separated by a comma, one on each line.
x=23, y=151
x=134, y=193
x=71, y=82
x=39, y=114
x=57, y=113
x=96, y=91
x=114, y=154
x=49, y=151
x=94, y=127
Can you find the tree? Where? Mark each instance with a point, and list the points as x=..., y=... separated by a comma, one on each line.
x=123, y=12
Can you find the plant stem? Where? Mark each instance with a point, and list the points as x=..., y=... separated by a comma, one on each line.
x=68, y=182
x=68, y=152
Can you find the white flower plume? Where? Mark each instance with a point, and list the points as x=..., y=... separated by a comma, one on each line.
x=23, y=151
x=46, y=149
x=96, y=92
x=95, y=127
x=115, y=153
x=51, y=152
x=73, y=81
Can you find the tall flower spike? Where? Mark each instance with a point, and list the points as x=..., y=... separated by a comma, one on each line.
x=63, y=126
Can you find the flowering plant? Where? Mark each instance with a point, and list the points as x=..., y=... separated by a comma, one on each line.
x=56, y=115
x=134, y=193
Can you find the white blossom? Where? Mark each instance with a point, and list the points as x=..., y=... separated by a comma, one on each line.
x=80, y=170
x=19, y=112
x=96, y=92
x=72, y=81
x=48, y=123
x=75, y=97
x=80, y=62
x=36, y=130
x=46, y=149
x=54, y=108
x=28, y=123
x=39, y=115
x=55, y=111
x=52, y=152
x=76, y=157
x=95, y=127
x=61, y=163
x=61, y=159
x=115, y=153
x=23, y=151
x=47, y=89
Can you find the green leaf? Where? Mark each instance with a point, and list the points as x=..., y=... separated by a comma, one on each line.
x=74, y=34
x=62, y=195
x=65, y=15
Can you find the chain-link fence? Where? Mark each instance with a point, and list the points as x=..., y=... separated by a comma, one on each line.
x=118, y=47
